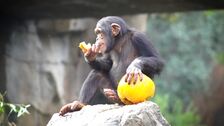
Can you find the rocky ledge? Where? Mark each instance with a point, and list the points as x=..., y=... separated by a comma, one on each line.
x=142, y=114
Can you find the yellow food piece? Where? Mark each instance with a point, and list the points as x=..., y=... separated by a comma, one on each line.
x=84, y=47
x=136, y=93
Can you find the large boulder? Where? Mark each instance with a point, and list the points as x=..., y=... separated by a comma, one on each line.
x=142, y=114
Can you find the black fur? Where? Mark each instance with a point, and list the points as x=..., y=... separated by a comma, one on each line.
x=127, y=50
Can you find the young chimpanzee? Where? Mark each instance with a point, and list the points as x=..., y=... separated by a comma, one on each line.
x=118, y=51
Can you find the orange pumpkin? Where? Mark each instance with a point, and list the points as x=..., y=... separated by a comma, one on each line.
x=136, y=93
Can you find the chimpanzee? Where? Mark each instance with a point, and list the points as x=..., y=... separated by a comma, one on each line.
x=118, y=51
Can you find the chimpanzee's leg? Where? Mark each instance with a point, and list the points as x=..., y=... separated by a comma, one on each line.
x=92, y=89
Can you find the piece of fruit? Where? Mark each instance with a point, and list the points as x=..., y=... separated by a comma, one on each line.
x=84, y=47
x=136, y=93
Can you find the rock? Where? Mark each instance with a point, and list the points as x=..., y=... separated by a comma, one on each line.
x=142, y=114
x=44, y=66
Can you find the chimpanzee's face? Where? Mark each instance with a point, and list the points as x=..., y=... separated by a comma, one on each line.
x=107, y=33
x=101, y=43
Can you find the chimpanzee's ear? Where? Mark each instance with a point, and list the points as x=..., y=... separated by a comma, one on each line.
x=115, y=29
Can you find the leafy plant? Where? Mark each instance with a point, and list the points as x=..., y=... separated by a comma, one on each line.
x=18, y=109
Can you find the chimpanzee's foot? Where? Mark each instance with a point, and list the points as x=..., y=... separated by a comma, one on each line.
x=112, y=95
x=70, y=107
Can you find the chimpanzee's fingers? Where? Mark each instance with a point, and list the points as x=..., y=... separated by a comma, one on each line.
x=88, y=52
x=106, y=90
x=129, y=78
x=64, y=110
x=73, y=107
x=126, y=77
x=61, y=112
x=111, y=95
x=109, y=92
x=94, y=48
x=76, y=106
x=141, y=75
x=98, y=48
x=129, y=74
x=136, y=73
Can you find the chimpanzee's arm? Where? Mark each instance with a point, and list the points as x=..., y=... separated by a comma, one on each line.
x=149, y=65
x=148, y=61
x=103, y=63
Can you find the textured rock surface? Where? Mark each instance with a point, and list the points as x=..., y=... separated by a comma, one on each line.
x=44, y=65
x=142, y=114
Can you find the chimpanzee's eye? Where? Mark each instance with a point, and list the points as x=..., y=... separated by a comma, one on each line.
x=98, y=31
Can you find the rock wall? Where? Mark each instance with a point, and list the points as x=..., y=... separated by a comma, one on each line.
x=44, y=64
x=45, y=68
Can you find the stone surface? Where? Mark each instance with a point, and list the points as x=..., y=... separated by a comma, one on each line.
x=44, y=66
x=142, y=114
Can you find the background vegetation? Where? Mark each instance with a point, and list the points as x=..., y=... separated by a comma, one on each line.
x=191, y=44
x=6, y=109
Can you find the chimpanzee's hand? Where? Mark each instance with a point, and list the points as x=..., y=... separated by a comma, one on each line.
x=111, y=95
x=135, y=73
x=91, y=53
x=74, y=106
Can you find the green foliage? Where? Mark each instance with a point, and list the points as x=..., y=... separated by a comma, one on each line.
x=188, y=42
x=175, y=113
x=18, y=109
x=220, y=58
